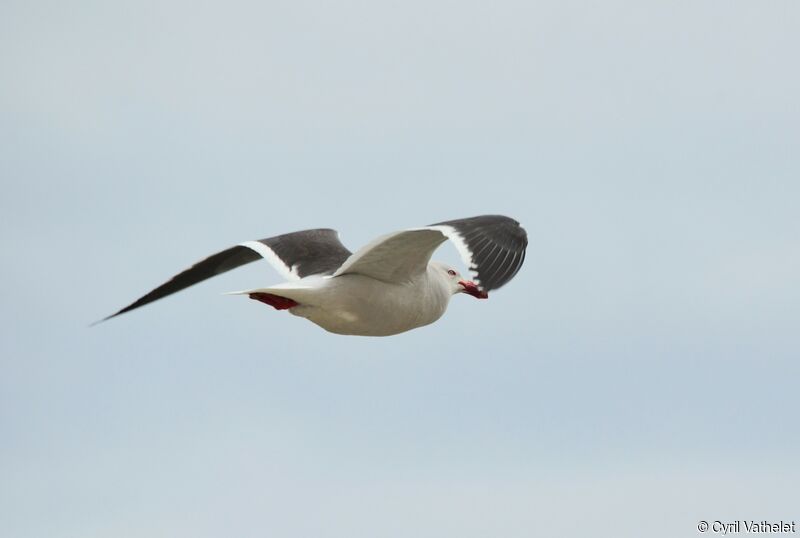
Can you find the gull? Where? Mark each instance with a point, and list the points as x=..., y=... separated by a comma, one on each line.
x=387, y=287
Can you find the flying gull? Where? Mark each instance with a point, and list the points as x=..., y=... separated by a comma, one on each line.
x=387, y=287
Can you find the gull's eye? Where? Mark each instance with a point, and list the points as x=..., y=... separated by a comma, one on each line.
x=451, y=272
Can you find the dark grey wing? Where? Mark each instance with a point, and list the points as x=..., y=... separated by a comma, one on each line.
x=294, y=255
x=300, y=254
x=493, y=246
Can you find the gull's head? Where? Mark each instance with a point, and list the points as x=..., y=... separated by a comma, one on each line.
x=459, y=284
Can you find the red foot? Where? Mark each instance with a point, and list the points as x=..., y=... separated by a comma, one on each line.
x=275, y=301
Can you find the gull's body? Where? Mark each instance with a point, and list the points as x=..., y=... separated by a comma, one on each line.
x=388, y=287
x=360, y=305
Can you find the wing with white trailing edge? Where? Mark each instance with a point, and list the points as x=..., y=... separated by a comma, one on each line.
x=294, y=256
x=492, y=246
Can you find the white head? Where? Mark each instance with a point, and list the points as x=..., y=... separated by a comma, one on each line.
x=457, y=283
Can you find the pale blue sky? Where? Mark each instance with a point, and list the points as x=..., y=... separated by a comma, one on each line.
x=638, y=375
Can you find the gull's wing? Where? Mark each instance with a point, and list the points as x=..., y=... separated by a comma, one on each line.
x=294, y=256
x=492, y=246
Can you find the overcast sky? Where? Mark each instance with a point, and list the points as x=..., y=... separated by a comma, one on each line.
x=638, y=375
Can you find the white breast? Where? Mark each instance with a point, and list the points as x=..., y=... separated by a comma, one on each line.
x=359, y=305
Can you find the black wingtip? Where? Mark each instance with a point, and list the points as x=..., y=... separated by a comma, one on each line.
x=99, y=321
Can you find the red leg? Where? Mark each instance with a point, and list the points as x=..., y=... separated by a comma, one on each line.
x=275, y=301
